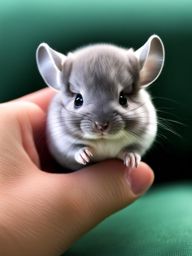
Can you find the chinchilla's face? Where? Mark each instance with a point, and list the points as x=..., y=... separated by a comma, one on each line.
x=103, y=101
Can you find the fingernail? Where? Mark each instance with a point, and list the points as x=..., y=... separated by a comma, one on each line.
x=140, y=180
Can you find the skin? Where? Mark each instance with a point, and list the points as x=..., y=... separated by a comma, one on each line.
x=43, y=213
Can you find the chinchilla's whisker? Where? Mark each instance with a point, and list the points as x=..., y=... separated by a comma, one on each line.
x=165, y=99
x=134, y=134
x=59, y=134
x=136, y=108
x=169, y=129
x=171, y=121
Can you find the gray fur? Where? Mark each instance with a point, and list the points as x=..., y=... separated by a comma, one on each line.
x=100, y=73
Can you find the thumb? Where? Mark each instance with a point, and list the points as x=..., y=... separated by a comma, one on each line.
x=105, y=188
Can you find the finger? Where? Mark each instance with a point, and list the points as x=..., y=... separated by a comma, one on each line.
x=34, y=138
x=40, y=98
x=102, y=189
x=31, y=110
x=111, y=180
x=24, y=121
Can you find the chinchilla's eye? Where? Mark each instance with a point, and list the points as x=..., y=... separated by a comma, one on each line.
x=78, y=100
x=123, y=99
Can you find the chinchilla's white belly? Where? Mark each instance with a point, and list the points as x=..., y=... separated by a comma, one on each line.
x=109, y=148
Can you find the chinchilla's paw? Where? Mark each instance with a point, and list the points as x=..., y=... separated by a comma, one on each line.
x=84, y=155
x=131, y=159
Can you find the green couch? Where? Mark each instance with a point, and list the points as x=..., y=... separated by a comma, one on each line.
x=161, y=222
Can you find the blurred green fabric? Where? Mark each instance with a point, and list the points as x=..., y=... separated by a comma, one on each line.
x=160, y=223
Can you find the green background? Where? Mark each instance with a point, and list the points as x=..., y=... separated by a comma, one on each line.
x=159, y=224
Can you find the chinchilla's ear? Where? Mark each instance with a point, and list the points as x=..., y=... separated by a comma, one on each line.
x=50, y=64
x=151, y=59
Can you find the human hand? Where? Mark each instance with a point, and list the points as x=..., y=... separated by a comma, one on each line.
x=43, y=213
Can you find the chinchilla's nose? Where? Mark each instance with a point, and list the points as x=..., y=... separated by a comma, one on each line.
x=101, y=126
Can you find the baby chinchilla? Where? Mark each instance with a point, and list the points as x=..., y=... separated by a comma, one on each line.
x=102, y=109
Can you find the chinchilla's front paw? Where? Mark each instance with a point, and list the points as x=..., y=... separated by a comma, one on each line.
x=131, y=159
x=84, y=155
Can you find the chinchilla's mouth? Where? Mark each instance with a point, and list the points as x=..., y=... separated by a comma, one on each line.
x=96, y=135
x=102, y=135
